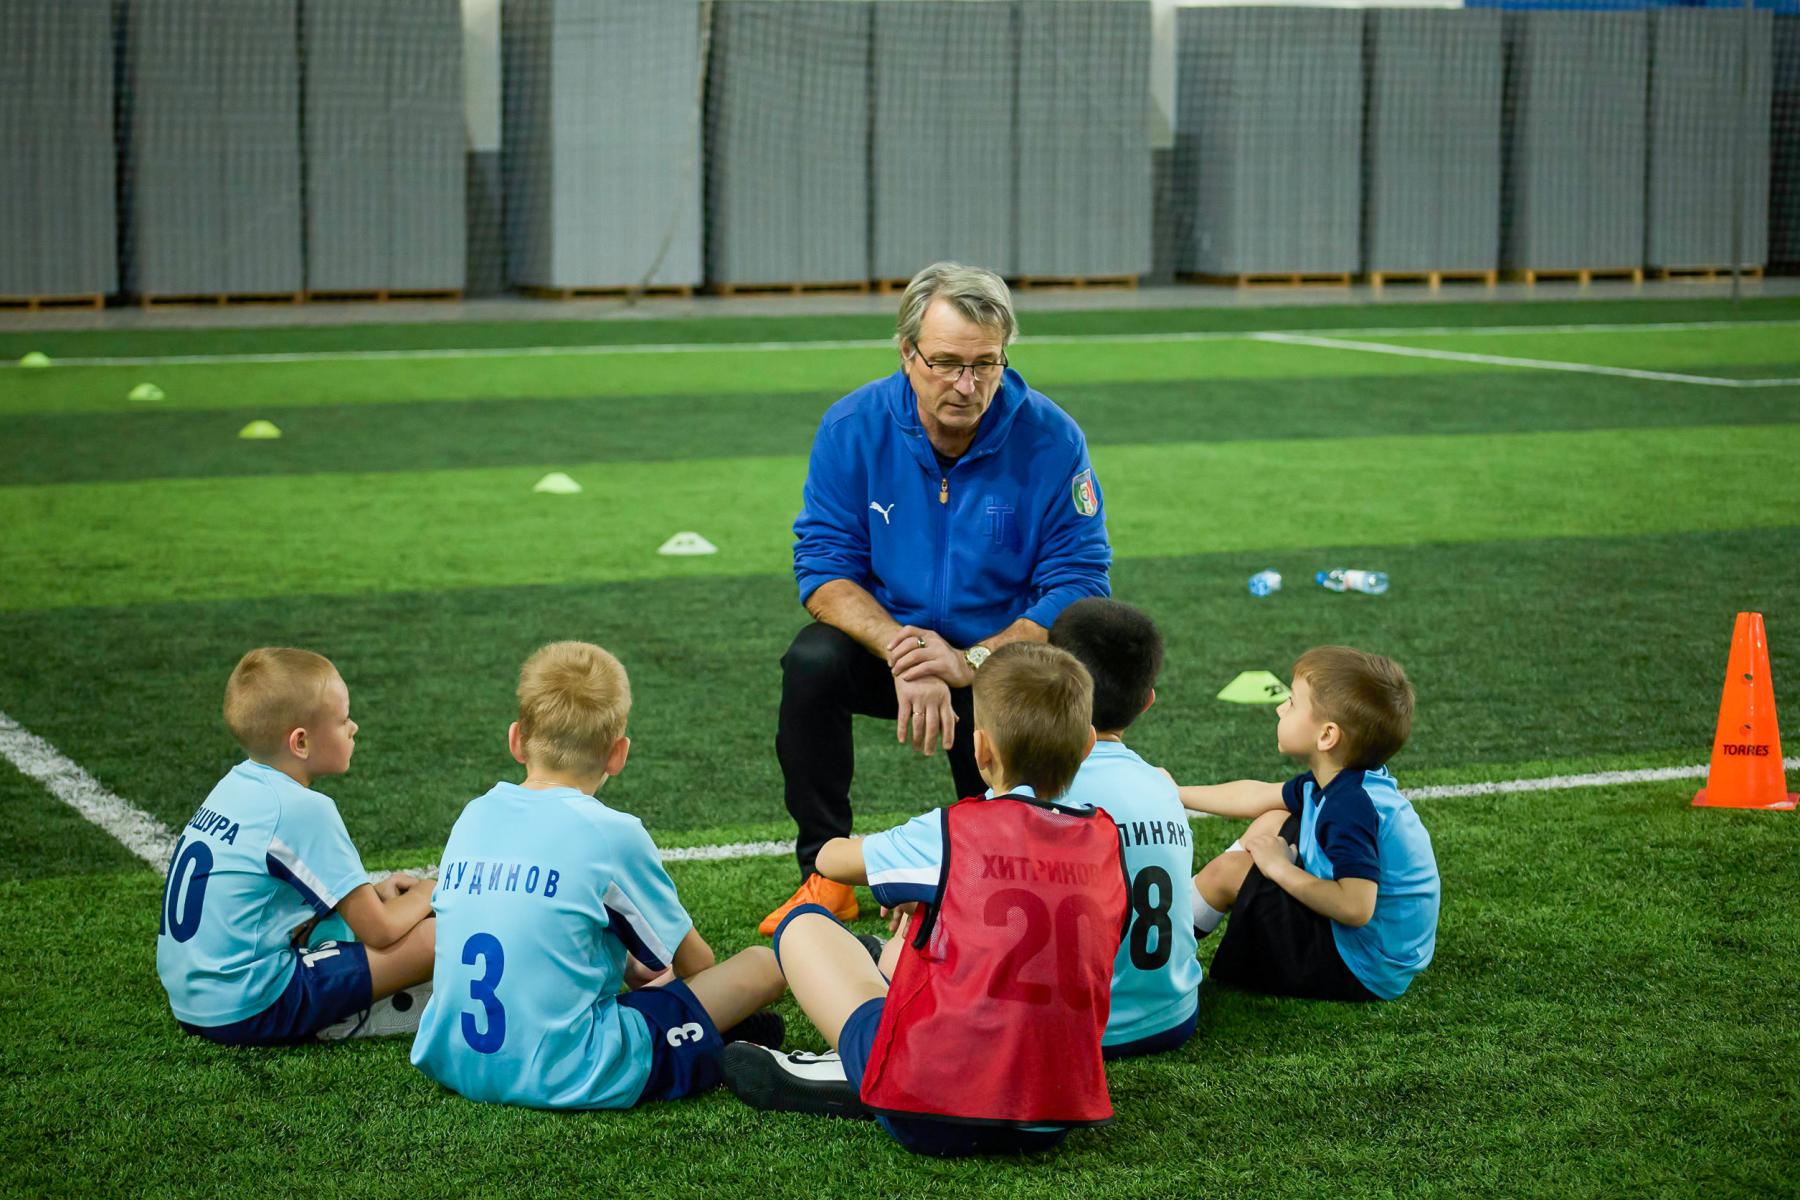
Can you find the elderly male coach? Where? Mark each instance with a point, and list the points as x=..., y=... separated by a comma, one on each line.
x=948, y=509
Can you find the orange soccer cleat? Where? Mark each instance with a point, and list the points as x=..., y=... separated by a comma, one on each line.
x=840, y=898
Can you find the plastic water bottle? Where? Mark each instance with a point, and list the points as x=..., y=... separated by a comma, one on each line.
x=1264, y=582
x=1373, y=583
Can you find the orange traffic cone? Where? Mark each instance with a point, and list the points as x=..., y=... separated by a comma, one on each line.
x=1746, y=769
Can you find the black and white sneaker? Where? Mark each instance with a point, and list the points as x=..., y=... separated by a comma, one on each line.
x=797, y=1082
x=390, y=1016
x=765, y=1028
x=873, y=945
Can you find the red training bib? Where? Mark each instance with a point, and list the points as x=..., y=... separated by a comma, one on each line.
x=1001, y=995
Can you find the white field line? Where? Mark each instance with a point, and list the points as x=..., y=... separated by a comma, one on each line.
x=152, y=841
x=1098, y=339
x=1498, y=360
x=137, y=830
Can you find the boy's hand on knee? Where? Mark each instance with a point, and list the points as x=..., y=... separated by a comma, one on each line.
x=396, y=885
x=896, y=917
x=637, y=975
x=1268, y=851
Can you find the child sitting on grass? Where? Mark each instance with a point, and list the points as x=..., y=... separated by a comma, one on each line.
x=988, y=1038
x=548, y=901
x=1352, y=916
x=264, y=856
x=1156, y=978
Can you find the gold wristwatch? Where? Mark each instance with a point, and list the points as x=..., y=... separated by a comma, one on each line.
x=976, y=655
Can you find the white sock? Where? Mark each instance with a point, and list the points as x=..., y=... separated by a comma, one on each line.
x=1238, y=845
x=1206, y=917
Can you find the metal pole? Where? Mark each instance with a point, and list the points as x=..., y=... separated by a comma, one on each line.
x=1740, y=154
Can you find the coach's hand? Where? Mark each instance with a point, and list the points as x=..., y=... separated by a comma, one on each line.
x=916, y=653
x=925, y=715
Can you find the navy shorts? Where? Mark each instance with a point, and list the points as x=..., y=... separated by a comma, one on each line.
x=1154, y=1043
x=686, y=1052
x=330, y=982
x=922, y=1135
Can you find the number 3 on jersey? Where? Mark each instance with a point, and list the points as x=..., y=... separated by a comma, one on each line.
x=486, y=948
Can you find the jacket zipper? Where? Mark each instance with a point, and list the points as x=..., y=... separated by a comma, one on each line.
x=941, y=598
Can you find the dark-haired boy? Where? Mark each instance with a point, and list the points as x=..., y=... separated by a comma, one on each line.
x=987, y=1040
x=1156, y=978
x=1355, y=917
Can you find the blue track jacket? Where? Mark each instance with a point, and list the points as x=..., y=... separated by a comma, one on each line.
x=1015, y=528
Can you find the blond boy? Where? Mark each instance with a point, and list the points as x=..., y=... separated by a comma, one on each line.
x=265, y=855
x=548, y=901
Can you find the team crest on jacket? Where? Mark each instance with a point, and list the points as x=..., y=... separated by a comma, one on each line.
x=1081, y=489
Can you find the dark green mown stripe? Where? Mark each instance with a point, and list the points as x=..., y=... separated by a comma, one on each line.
x=41, y=836
x=1565, y=652
x=92, y=447
x=650, y=331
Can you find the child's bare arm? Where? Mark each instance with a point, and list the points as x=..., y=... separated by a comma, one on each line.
x=1246, y=799
x=637, y=975
x=398, y=884
x=379, y=923
x=693, y=955
x=1347, y=901
x=842, y=859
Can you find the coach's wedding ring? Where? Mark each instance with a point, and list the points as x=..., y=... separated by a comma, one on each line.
x=921, y=641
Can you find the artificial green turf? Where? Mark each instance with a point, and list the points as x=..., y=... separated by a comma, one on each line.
x=1530, y=658
x=654, y=378
x=644, y=326
x=1611, y=1012
x=44, y=837
x=141, y=542
x=1689, y=351
x=81, y=447
x=663, y=379
x=1612, y=1008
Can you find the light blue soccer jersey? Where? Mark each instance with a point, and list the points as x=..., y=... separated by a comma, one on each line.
x=261, y=857
x=539, y=896
x=1399, y=939
x=903, y=863
x=1156, y=978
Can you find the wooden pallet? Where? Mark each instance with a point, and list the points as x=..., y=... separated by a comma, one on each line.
x=1433, y=279
x=849, y=287
x=889, y=287
x=1705, y=274
x=36, y=303
x=1044, y=283
x=221, y=299
x=381, y=295
x=621, y=292
x=1250, y=279
x=1582, y=275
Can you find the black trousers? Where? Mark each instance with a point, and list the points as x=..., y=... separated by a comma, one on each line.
x=826, y=678
x=1276, y=945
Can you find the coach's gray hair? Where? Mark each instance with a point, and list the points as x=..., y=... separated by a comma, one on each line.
x=980, y=296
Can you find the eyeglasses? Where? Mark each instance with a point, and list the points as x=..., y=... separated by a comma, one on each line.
x=950, y=370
